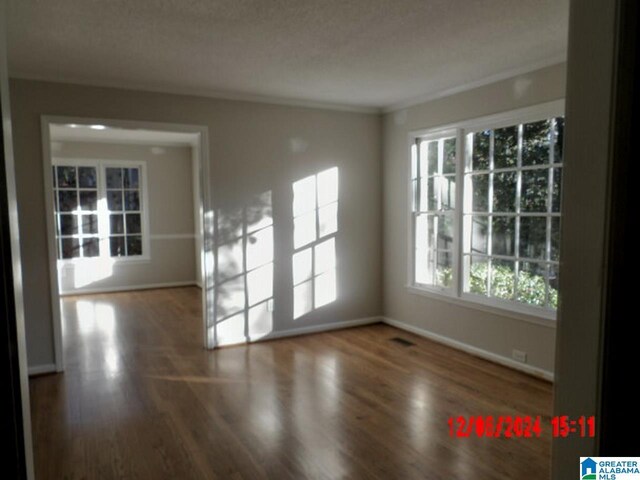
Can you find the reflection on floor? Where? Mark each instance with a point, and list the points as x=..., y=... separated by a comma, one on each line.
x=141, y=399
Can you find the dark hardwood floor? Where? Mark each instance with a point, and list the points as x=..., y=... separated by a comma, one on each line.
x=141, y=399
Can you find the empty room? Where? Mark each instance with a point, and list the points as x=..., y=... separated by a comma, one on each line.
x=317, y=240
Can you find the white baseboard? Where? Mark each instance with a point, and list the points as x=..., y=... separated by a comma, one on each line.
x=478, y=352
x=148, y=286
x=42, y=369
x=294, y=332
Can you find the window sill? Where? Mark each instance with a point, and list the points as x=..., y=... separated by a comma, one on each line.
x=520, y=312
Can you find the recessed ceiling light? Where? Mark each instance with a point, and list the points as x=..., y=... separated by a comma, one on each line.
x=97, y=127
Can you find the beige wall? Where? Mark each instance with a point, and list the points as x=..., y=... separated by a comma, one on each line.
x=171, y=218
x=254, y=148
x=497, y=334
x=590, y=131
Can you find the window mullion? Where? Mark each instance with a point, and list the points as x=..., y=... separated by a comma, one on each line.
x=549, y=208
x=104, y=244
x=490, y=210
x=458, y=228
x=516, y=267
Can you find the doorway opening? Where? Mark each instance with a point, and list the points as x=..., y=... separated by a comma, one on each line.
x=127, y=210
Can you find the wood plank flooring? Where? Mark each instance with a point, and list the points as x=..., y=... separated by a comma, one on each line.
x=141, y=399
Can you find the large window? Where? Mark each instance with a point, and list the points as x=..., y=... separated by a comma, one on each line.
x=498, y=242
x=99, y=210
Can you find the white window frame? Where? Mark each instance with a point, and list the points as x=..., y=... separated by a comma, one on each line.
x=103, y=213
x=456, y=293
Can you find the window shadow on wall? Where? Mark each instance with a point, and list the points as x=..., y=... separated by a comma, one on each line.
x=244, y=271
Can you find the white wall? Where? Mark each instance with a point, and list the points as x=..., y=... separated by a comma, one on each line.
x=497, y=334
x=171, y=220
x=254, y=149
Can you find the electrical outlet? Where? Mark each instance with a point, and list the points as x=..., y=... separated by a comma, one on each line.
x=519, y=356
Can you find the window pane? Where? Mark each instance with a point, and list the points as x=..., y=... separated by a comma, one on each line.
x=414, y=192
x=558, y=154
x=444, y=271
x=114, y=200
x=91, y=247
x=555, y=239
x=449, y=161
x=448, y=192
x=480, y=193
x=553, y=286
x=534, y=190
x=134, y=245
x=432, y=158
x=478, y=275
x=68, y=224
x=114, y=178
x=116, y=223
x=67, y=200
x=505, y=150
x=479, y=234
x=89, y=200
x=424, y=266
x=54, y=175
x=70, y=248
x=116, y=246
x=424, y=231
x=429, y=198
x=67, y=177
x=89, y=224
x=535, y=143
x=445, y=232
x=556, y=196
x=131, y=178
x=480, y=157
x=132, y=200
x=414, y=161
x=504, y=192
x=503, y=236
x=532, y=283
x=533, y=237
x=87, y=177
x=133, y=223
x=502, y=278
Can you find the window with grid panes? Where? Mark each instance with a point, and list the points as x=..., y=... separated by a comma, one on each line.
x=501, y=244
x=99, y=210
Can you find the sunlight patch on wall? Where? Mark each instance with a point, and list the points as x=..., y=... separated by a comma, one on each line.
x=315, y=225
x=244, y=272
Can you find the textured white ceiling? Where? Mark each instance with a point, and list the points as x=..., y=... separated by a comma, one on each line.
x=362, y=53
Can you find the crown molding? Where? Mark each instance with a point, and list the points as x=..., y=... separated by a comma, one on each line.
x=201, y=92
x=513, y=72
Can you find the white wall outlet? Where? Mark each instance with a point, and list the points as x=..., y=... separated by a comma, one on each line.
x=519, y=356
